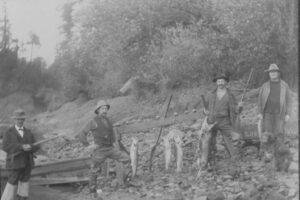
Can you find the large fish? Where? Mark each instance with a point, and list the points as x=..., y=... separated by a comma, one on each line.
x=205, y=136
x=179, y=152
x=168, y=152
x=134, y=155
x=259, y=129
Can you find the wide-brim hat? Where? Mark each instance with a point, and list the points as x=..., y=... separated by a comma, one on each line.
x=19, y=114
x=221, y=76
x=100, y=104
x=273, y=68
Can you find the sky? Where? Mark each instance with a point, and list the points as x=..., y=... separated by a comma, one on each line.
x=41, y=17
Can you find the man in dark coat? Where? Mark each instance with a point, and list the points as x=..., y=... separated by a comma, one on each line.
x=106, y=143
x=17, y=143
x=222, y=110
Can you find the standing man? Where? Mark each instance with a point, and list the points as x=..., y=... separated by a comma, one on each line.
x=222, y=110
x=105, y=140
x=17, y=143
x=274, y=103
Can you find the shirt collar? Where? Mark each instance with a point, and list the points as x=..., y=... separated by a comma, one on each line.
x=19, y=128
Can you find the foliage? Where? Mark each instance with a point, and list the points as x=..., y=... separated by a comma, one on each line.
x=174, y=43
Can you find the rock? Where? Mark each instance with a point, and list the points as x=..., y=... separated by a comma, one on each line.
x=227, y=177
x=114, y=183
x=201, y=198
x=294, y=167
x=149, y=178
x=178, y=195
x=235, y=136
x=218, y=195
x=220, y=147
x=251, y=192
x=273, y=195
x=196, y=126
x=235, y=187
x=239, y=196
x=292, y=192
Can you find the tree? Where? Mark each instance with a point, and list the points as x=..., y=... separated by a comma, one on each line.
x=34, y=40
x=175, y=41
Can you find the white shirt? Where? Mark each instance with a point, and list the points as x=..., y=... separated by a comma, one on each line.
x=20, y=130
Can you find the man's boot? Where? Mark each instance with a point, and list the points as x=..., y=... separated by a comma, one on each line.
x=9, y=192
x=23, y=190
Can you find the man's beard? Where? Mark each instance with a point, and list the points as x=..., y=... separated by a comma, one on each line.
x=221, y=86
x=103, y=114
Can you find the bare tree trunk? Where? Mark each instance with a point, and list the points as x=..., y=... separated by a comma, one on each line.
x=31, y=51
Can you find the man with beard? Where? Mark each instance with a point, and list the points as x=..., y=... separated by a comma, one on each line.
x=106, y=143
x=222, y=110
x=274, y=110
x=274, y=103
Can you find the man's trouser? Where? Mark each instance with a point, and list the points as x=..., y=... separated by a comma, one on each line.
x=273, y=124
x=223, y=125
x=18, y=182
x=99, y=156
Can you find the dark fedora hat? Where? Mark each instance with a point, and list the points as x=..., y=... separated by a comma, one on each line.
x=221, y=76
x=19, y=114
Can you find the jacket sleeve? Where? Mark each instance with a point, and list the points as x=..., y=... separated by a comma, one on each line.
x=208, y=99
x=289, y=101
x=9, y=144
x=92, y=125
x=35, y=148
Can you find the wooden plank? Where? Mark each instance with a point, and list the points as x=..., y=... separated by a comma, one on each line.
x=144, y=126
x=61, y=166
x=57, y=180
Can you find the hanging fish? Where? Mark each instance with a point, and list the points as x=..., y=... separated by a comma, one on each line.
x=134, y=155
x=259, y=129
x=205, y=136
x=179, y=152
x=168, y=152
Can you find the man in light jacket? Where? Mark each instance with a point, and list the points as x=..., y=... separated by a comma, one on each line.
x=274, y=103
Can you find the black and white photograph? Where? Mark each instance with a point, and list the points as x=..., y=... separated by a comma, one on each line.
x=149, y=99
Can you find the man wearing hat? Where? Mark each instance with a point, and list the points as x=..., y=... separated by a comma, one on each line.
x=17, y=143
x=222, y=110
x=274, y=103
x=105, y=141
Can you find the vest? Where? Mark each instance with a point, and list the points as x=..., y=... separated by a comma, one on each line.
x=103, y=135
x=221, y=106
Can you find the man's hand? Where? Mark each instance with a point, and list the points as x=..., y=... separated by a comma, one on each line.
x=206, y=112
x=116, y=145
x=26, y=147
x=259, y=116
x=240, y=107
x=240, y=104
x=287, y=118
